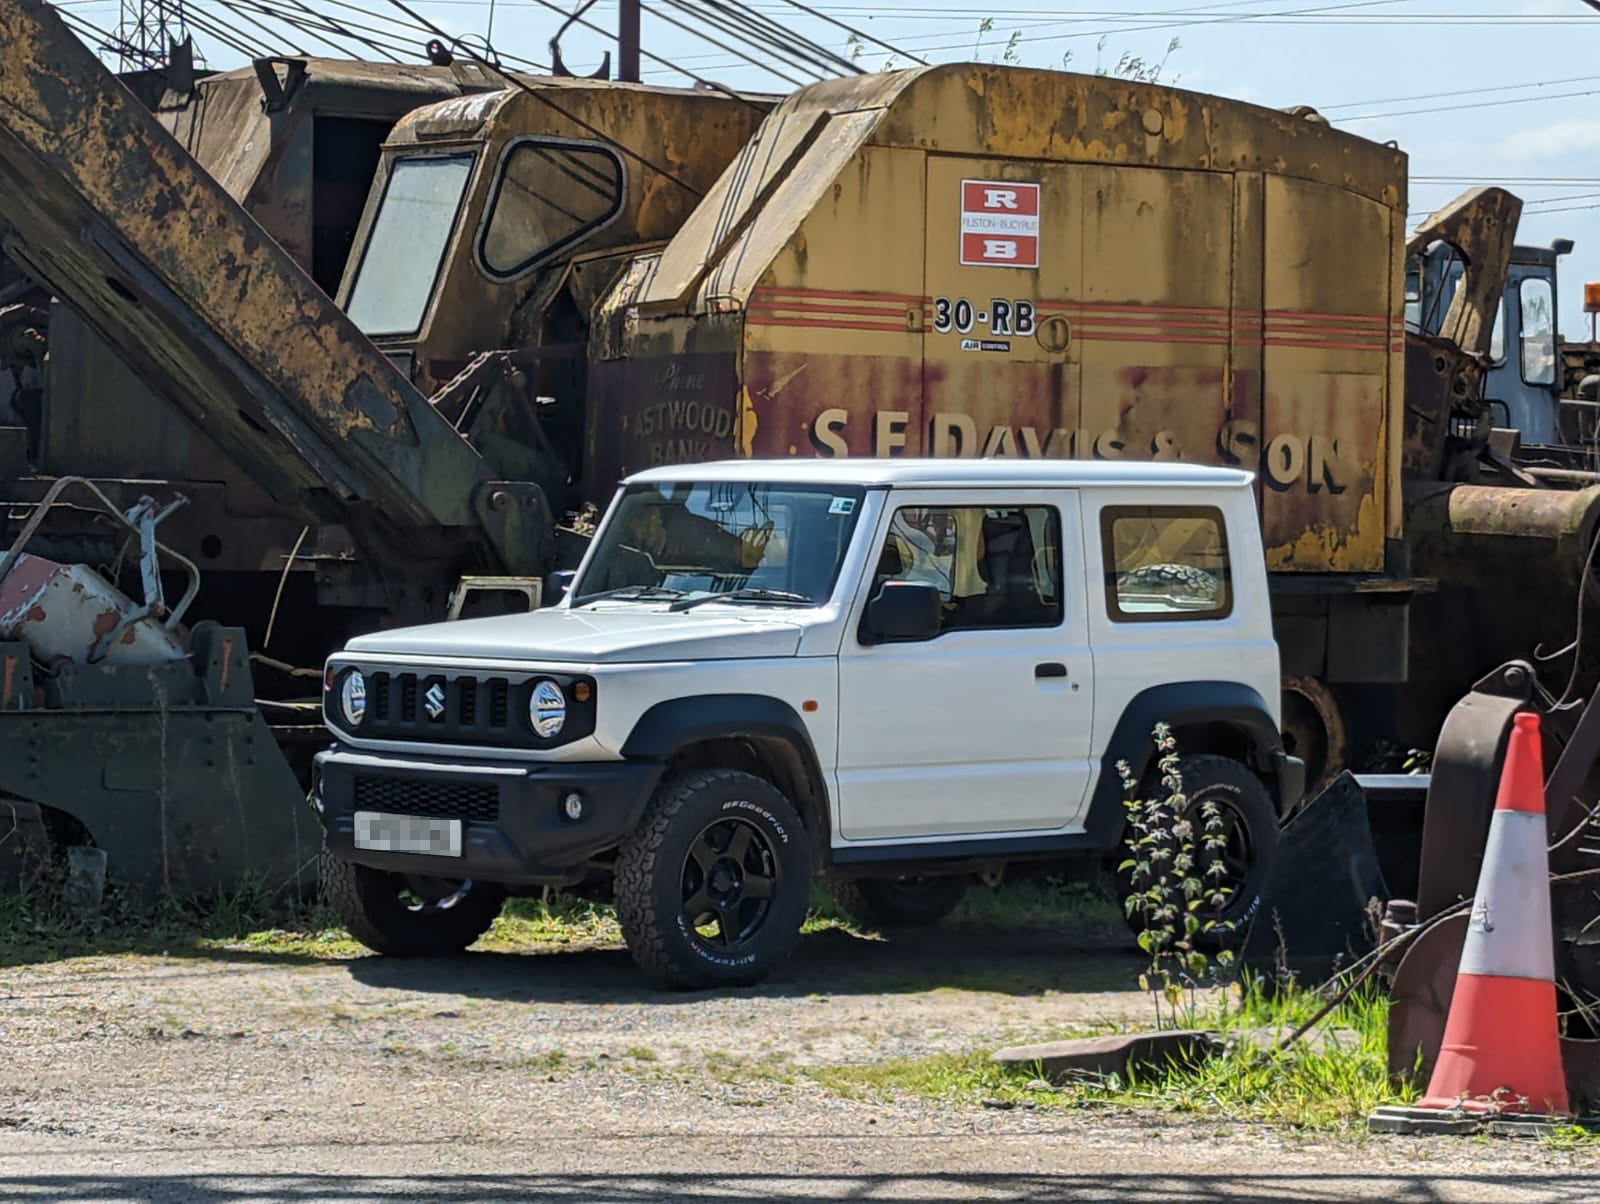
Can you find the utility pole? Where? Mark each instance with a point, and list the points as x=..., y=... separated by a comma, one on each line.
x=628, y=40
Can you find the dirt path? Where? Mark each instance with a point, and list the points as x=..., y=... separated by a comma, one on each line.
x=558, y=1076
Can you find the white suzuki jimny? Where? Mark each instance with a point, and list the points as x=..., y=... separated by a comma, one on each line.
x=893, y=674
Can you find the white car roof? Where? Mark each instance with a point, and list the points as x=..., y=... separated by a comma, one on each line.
x=950, y=473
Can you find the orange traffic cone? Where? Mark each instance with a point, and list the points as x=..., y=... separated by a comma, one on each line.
x=1502, y=1049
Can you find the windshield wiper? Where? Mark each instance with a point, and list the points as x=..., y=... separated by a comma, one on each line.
x=634, y=593
x=746, y=595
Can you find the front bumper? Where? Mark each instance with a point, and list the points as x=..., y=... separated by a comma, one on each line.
x=514, y=827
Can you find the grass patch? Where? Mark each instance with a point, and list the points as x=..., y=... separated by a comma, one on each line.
x=1310, y=1086
x=955, y=1078
x=34, y=926
x=1041, y=902
x=563, y=920
x=1573, y=1137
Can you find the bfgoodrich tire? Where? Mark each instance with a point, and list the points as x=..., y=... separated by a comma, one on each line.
x=407, y=917
x=910, y=902
x=714, y=883
x=1250, y=830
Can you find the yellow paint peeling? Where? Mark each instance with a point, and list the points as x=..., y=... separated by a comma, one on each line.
x=744, y=432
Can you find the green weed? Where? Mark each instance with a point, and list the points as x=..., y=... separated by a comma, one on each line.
x=561, y=920
x=1328, y=1084
x=1579, y=1136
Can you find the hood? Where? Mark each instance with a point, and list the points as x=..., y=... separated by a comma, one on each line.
x=632, y=635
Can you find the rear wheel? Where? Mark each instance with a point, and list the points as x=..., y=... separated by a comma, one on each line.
x=1248, y=842
x=405, y=915
x=714, y=883
x=913, y=901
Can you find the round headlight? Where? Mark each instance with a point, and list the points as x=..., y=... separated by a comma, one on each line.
x=547, y=709
x=353, y=697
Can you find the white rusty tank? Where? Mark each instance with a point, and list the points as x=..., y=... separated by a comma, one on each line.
x=69, y=610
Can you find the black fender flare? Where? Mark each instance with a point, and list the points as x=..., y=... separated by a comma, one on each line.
x=678, y=722
x=1181, y=704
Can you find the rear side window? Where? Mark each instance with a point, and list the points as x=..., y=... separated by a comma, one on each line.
x=1165, y=563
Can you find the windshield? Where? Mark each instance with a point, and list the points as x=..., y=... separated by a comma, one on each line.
x=776, y=544
x=407, y=243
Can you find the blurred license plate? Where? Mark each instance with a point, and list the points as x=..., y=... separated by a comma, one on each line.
x=408, y=834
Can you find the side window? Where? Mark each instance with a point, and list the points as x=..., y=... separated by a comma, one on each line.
x=993, y=567
x=549, y=195
x=1165, y=563
x=1538, y=332
x=1497, y=338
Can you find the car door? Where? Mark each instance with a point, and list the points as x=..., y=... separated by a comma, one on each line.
x=985, y=727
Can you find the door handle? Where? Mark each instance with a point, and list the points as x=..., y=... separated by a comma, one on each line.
x=1050, y=669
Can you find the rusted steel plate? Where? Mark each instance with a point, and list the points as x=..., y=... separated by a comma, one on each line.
x=1462, y=787
x=906, y=266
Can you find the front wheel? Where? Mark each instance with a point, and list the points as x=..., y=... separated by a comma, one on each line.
x=1247, y=842
x=406, y=916
x=713, y=885
x=915, y=901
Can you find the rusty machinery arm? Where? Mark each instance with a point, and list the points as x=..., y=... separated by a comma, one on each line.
x=100, y=204
x=1444, y=372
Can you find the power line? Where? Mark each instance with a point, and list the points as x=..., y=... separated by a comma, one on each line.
x=1543, y=83
x=863, y=36
x=1197, y=17
x=1481, y=104
x=752, y=60
x=763, y=43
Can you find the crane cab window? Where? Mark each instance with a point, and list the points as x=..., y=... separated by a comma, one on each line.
x=405, y=249
x=1165, y=563
x=1538, y=331
x=992, y=567
x=549, y=195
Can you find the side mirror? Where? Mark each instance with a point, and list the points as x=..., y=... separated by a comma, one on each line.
x=903, y=610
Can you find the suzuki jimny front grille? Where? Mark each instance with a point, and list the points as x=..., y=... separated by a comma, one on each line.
x=434, y=707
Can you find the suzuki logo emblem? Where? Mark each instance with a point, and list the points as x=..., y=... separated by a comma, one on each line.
x=434, y=700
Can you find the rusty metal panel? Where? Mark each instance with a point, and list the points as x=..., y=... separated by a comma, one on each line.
x=752, y=212
x=1154, y=327
x=674, y=402
x=992, y=109
x=1174, y=305
x=1328, y=336
x=224, y=126
x=1395, y=385
x=1239, y=439
x=103, y=205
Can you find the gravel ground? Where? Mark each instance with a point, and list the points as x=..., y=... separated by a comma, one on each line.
x=558, y=1076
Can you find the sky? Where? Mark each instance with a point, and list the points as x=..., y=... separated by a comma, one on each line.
x=1474, y=91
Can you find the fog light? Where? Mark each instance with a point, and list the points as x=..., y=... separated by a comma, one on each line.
x=572, y=806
